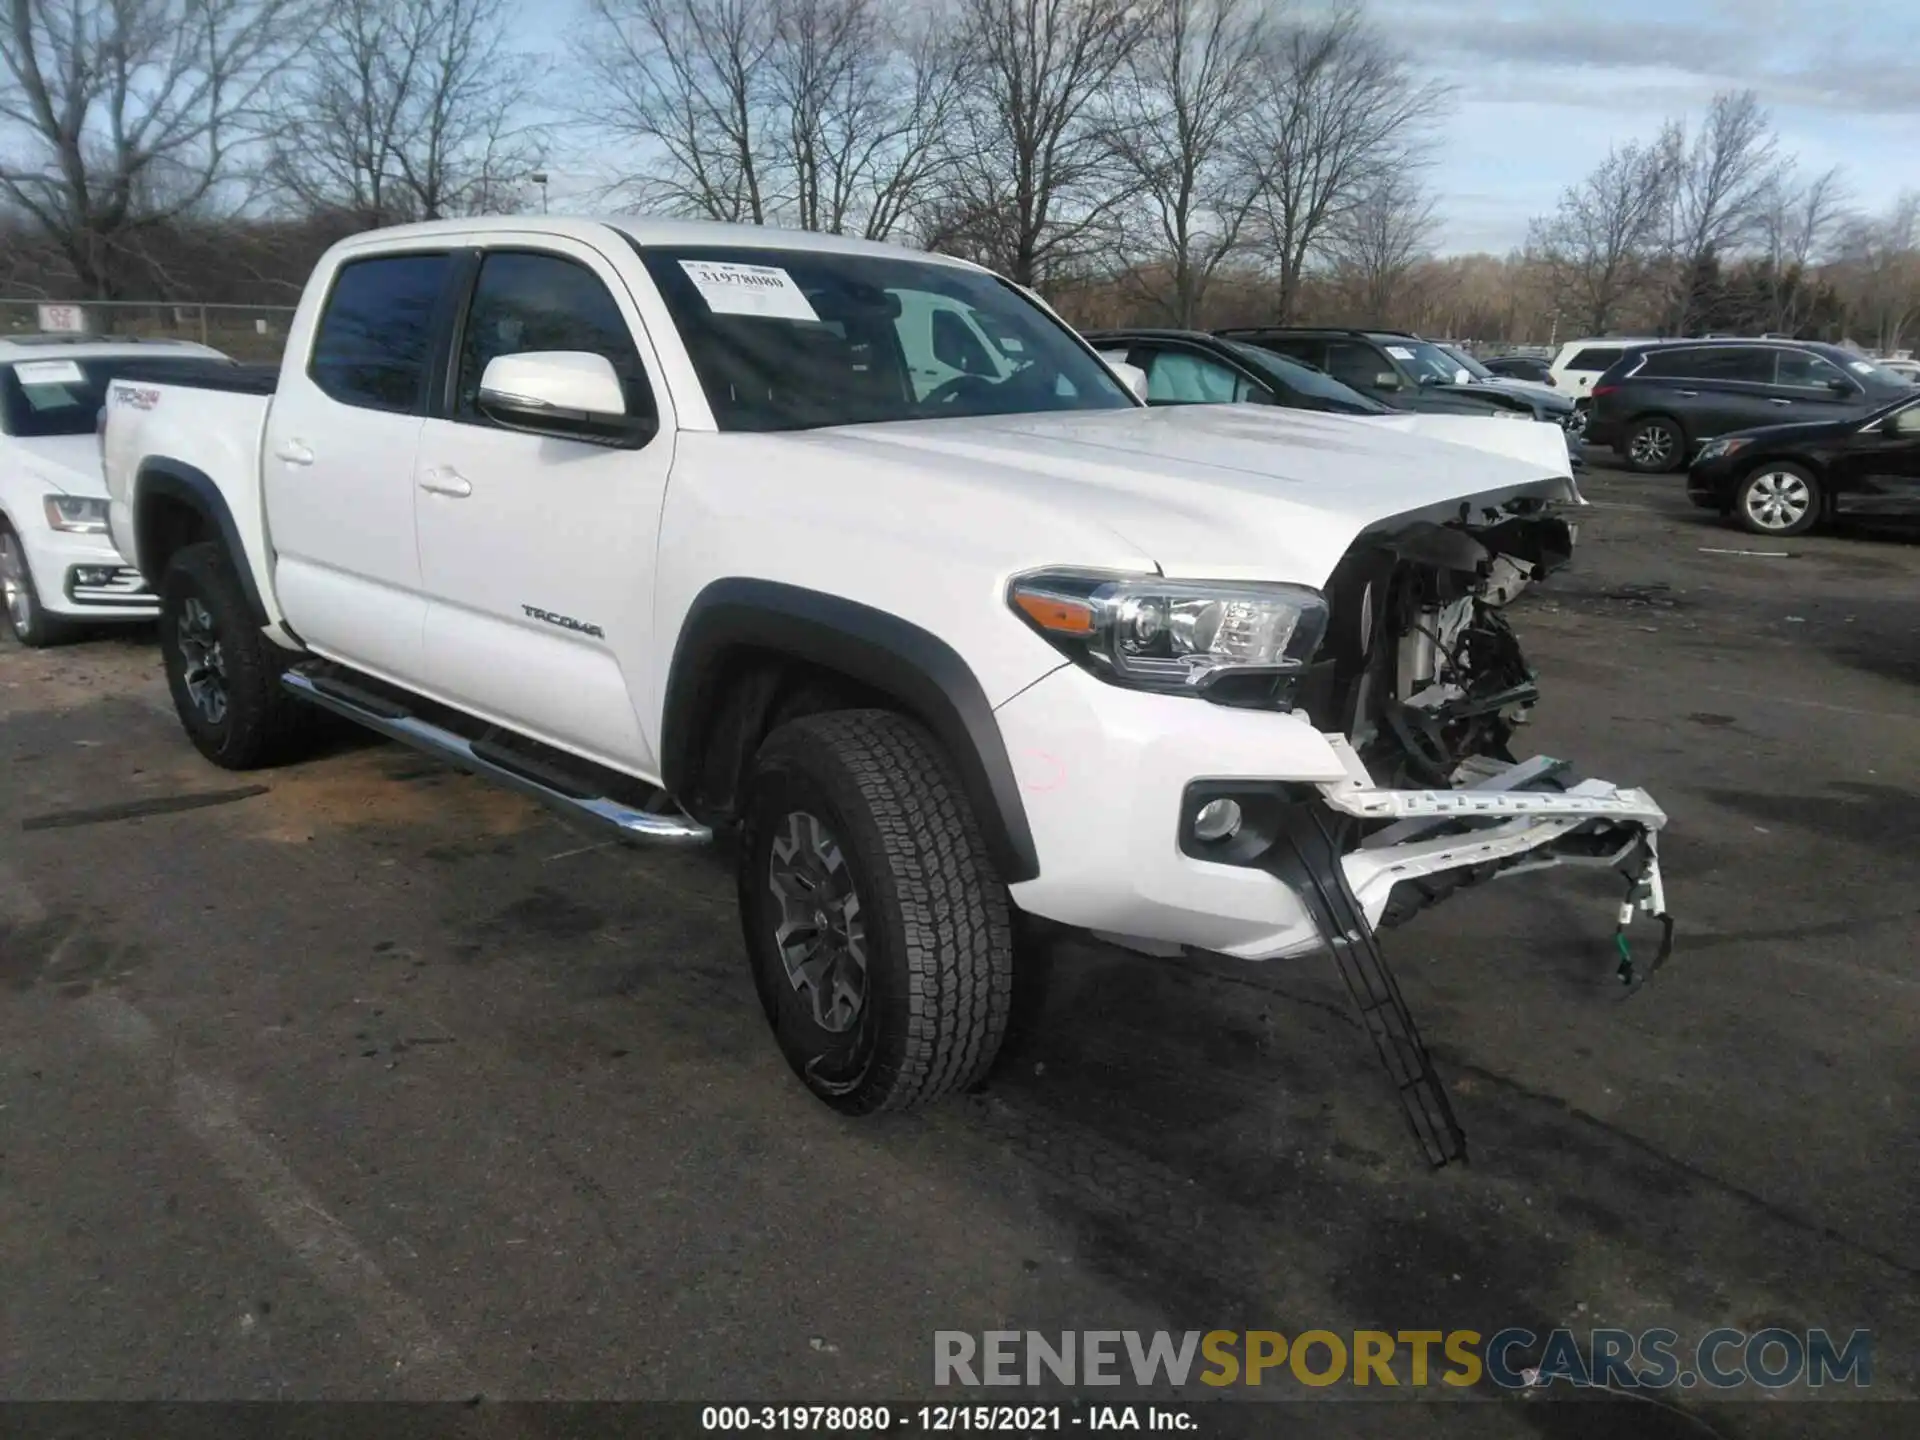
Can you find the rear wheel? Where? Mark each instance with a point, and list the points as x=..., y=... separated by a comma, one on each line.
x=881, y=938
x=26, y=616
x=1655, y=445
x=1778, y=499
x=223, y=672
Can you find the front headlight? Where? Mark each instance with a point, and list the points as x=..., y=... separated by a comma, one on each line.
x=77, y=514
x=1715, y=449
x=1232, y=641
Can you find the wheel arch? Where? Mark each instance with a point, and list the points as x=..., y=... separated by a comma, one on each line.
x=752, y=653
x=176, y=505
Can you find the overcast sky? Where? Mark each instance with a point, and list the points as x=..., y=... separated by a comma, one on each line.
x=1543, y=87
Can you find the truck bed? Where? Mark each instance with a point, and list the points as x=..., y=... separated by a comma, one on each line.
x=202, y=375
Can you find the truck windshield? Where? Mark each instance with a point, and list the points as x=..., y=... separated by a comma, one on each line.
x=799, y=339
x=63, y=397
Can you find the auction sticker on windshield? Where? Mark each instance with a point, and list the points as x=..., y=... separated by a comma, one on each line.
x=765, y=291
x=49, y=372
x=1399, y=352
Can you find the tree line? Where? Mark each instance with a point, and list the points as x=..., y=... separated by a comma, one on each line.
x=1178, y=162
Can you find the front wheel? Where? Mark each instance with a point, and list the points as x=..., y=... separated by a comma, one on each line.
x=1778, y=499
x=32, y=626
x=880, y=936
x=223, y=672
x=1655, y=446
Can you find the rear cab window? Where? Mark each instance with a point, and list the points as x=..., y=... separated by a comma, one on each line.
x=374, y=342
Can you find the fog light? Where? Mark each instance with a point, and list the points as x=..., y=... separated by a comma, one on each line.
x=1217, y=820
x=91, y=575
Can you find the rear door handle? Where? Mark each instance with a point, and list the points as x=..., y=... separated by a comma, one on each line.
x=1688, y=394
x=293, y=452
x=1779, y=402
x=446, y=482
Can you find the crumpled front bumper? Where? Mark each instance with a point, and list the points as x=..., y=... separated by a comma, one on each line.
x=1509, y=829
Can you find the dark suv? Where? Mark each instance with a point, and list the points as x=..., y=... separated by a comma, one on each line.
x=1397, y=369
x=1657, y=404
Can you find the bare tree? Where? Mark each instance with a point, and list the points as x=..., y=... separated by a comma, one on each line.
x=1340, y=112
x=1879, y=272
x=125, y=114
x=406, y=110
x=1186, y=90
x=1601, y=244
x=822, y=114
x=687, y=78
x=1720, y=195
x=1026, y=194
x=1377, y=243
x=1799, y=218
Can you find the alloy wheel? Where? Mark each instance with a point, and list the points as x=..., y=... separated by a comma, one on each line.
x=14, y=587
x=1652, y=446
x=1778, y=500
x=821, y=934
x=203, y=661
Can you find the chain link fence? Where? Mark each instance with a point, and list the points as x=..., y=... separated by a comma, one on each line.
x=246, y=332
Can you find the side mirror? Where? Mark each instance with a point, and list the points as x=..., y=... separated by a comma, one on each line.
x=1387, y=380
x=1841, y=386
x=1903, y=422
x=1131, y=376
x=556, y=391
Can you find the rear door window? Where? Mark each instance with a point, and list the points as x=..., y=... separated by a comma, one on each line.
x=372, y=345
x=1742, y=363
x=1177, y=378
x=1595, y=360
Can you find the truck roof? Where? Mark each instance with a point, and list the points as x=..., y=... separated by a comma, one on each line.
x=647, y=230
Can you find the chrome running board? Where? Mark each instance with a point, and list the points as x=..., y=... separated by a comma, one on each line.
x=392, y=720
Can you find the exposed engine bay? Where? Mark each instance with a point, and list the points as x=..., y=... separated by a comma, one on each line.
x=1425, y=673
x=1421, y=687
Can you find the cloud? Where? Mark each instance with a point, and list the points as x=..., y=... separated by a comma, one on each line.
x=1860, y=56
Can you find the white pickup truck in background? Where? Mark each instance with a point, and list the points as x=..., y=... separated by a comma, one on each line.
x=684, y=527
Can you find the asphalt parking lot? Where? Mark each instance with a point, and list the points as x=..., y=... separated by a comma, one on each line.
x=380, y=1082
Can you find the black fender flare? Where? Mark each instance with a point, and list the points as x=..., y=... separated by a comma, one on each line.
x=160, y=478
x=882, y=652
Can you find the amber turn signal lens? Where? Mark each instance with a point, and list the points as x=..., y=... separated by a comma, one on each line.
x=1062, y=617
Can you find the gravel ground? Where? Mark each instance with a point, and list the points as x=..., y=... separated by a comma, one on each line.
x=382, y=1083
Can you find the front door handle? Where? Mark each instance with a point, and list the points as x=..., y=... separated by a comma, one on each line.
x=446, y=482
x=1779, y=402
x=1688, y=394
x=294, y=452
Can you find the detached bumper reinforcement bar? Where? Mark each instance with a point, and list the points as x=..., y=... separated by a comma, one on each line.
x=1493, y=826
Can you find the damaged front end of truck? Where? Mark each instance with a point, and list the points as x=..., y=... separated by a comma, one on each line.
x=1422, y=687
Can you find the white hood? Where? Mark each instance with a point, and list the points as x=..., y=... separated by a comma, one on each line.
x=1218, y=491
x=70, y=463
x=1526, y=440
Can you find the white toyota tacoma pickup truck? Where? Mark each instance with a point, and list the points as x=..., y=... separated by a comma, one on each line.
x=687, y=528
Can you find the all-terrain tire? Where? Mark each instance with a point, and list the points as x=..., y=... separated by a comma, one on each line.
x=256, y=722
x=934, y=923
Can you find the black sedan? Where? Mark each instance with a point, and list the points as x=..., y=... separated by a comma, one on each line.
x=1785, y=479
x=1522, y=367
